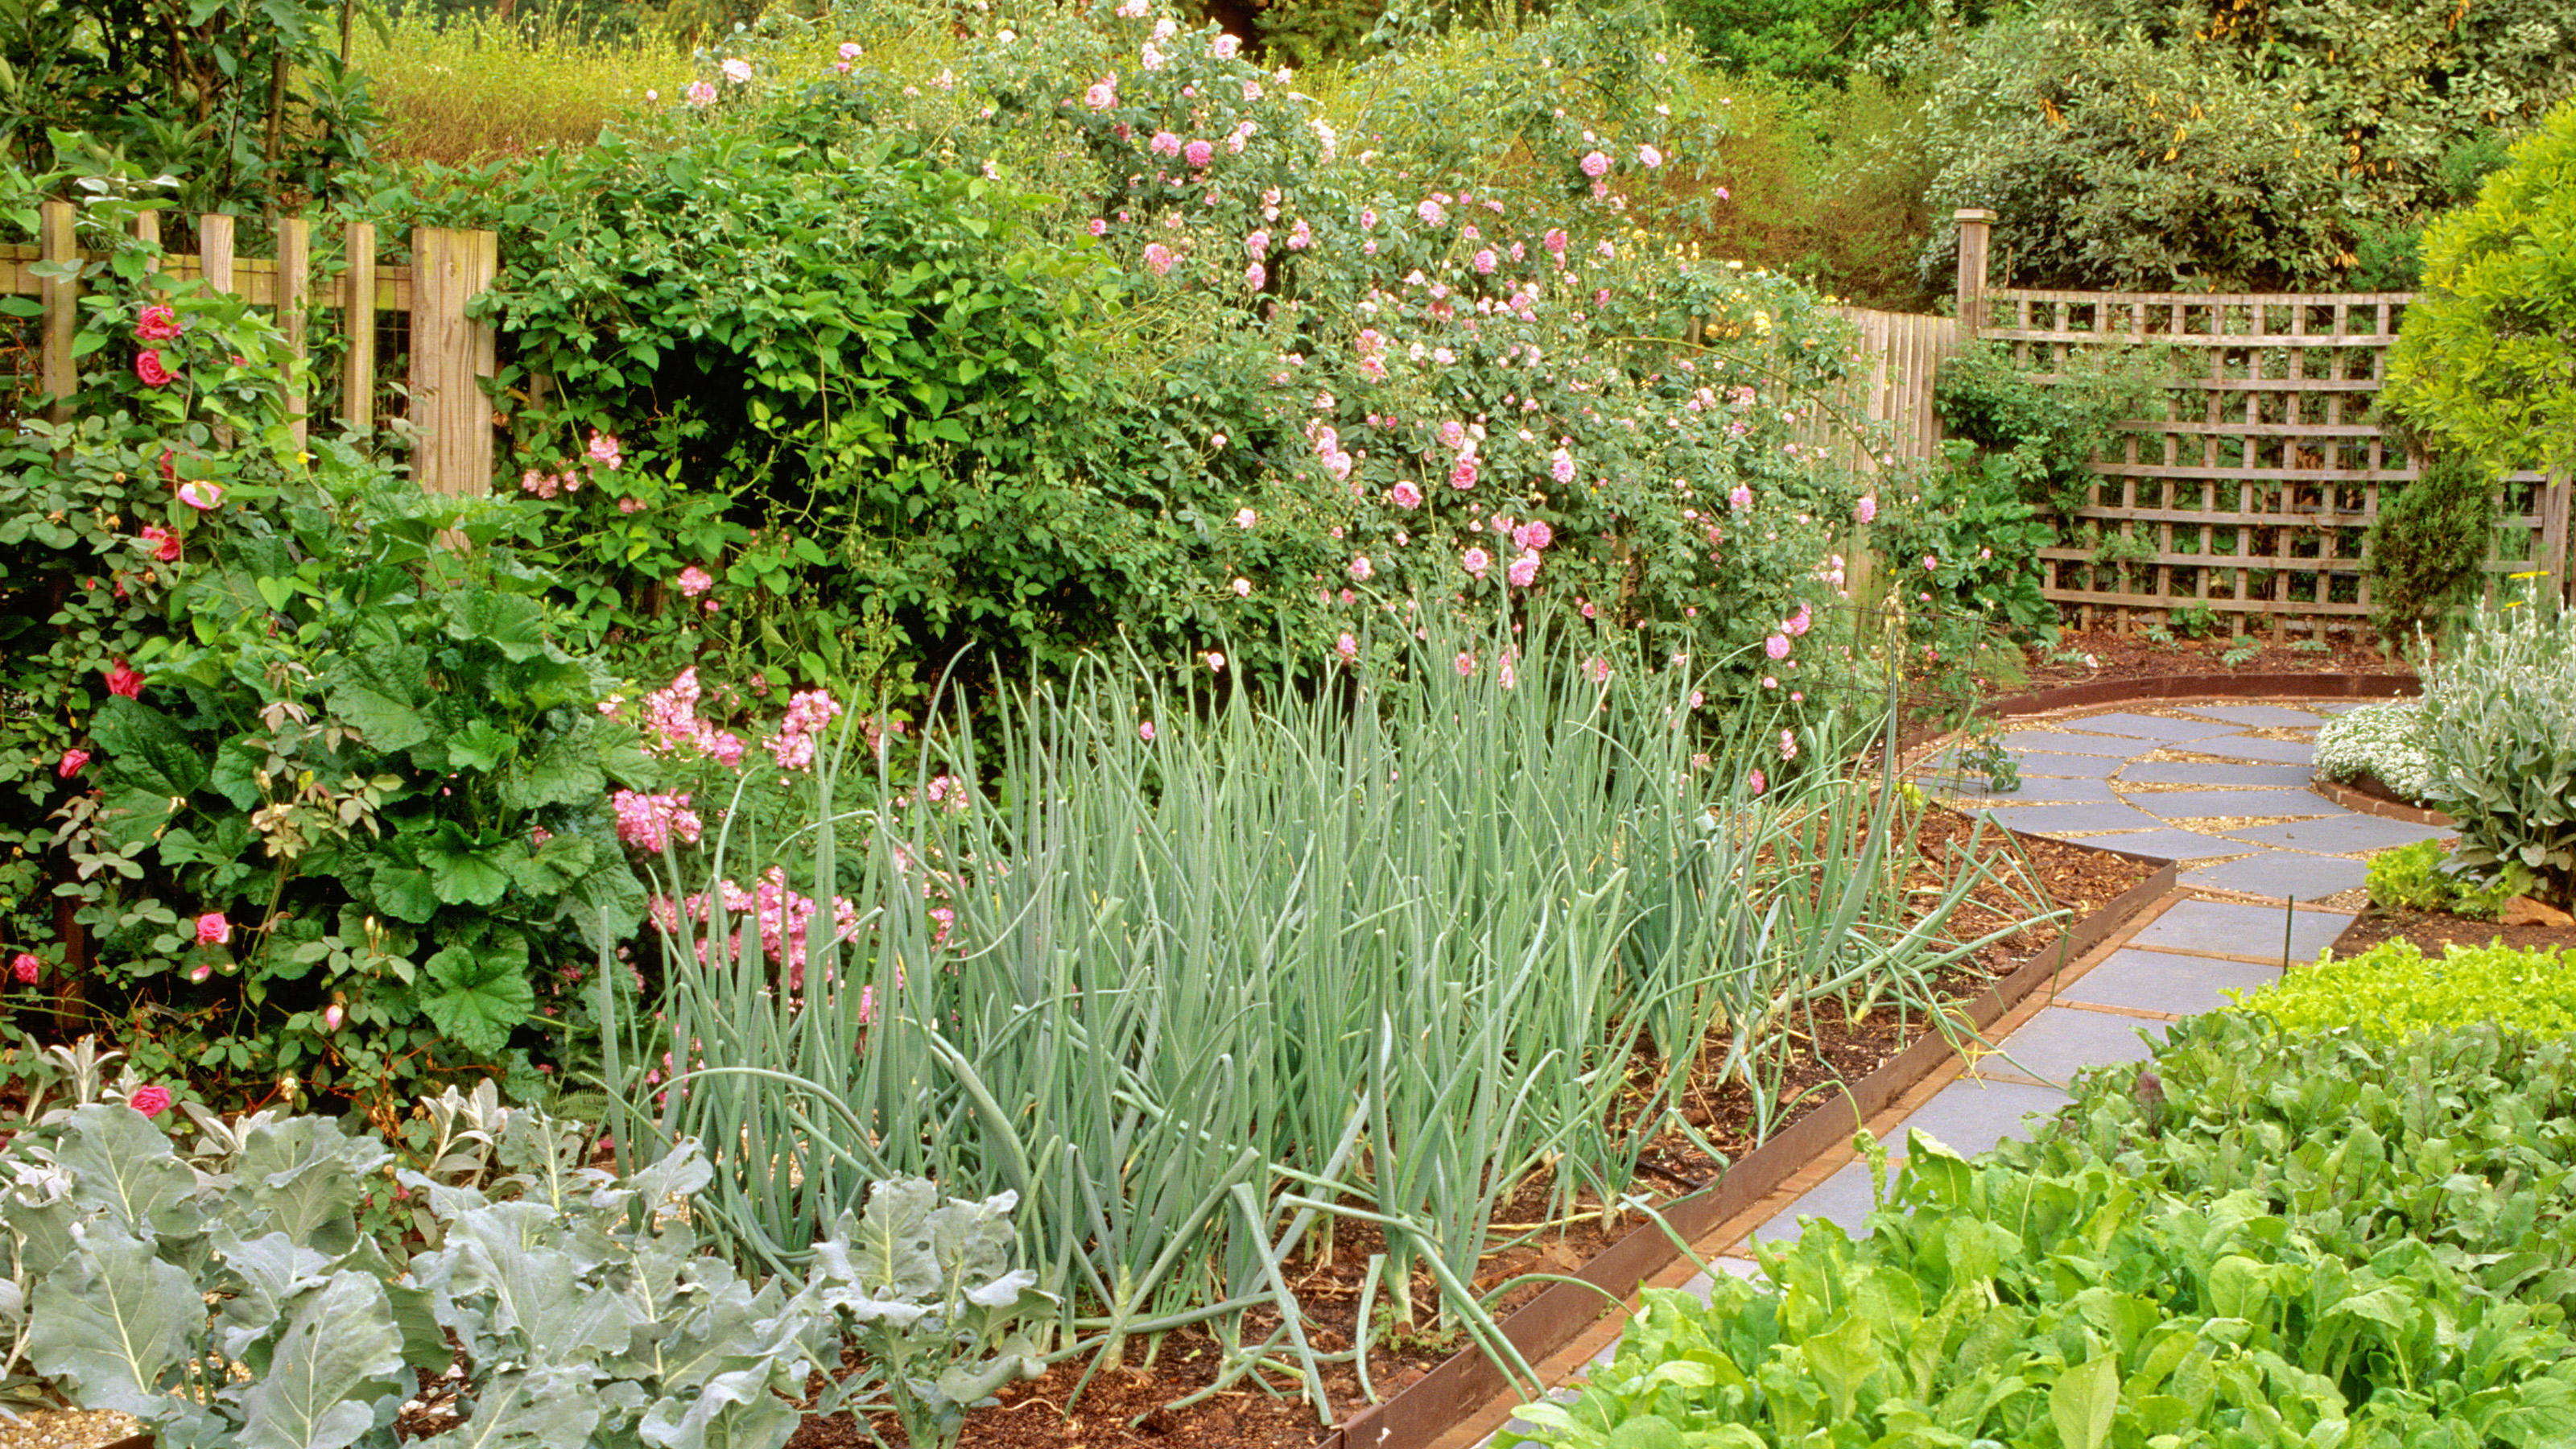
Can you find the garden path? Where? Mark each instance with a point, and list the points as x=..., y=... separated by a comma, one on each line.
x=2220, y=788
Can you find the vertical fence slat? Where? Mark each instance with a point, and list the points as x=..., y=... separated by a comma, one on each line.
x=294, y=276
x=358, y=316
x=61, y=299
x=450, y=354
x=215, y=251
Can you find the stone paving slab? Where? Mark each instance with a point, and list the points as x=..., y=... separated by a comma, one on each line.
x=2341, y=835
x=2281, y=873
x=2080, y=767
x=2060, y=742
x=2148, y=726
x=2263, y=716
x=2255, y=747
x=2193, y=772
x=2071, y=819
x=2045, y=790
x=2207, y=804
x=2225, y=928
x=2169, y=844
x=2342, y=706
x=2061, y=1041
x=1842, y=1198
x=1969, y=1116
x=2159, y=981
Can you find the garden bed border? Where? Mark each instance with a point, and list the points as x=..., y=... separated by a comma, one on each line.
x=1468, y=1381
x=2357, y=796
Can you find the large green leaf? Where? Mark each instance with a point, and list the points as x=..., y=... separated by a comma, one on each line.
x=122, y=1164
x=564, y=771
x=379, y=692
x=476, y=998
x=305, y=1178
x=479, y=746
x=463, y=870
x=111, y=1321
x=147, y=749
x=2084, y=1401
x=339, y=1355
x=511, y=623
x=551, y=1406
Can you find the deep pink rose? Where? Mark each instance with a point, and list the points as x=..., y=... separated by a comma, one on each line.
x=150, y=1101
x=26, y=968
x=213, y=929
x=158, y=324
x=124, y=680
x=147, y=366
x=163, y=543
x=71, y=765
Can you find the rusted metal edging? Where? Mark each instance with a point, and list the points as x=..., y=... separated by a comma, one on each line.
x=1468, y=1382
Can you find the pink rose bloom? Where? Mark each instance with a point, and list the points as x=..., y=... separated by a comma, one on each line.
x=147, y=366
x=1361, y=569
x=163, y=543
x=1345, y=646
x=157, y=324
x=71, y=764
x=701, y=94
x=1788, y=745
x=213, y=929
x=27, y=968
x=630, y=505
x=1865, y=510
x=737, y=70
x=694, y=581
x=1799, y=623
x=1561, y=468
x=1930, y=563
x=1777, y=646
x=1103, y=93
x=1755, y=782
x=150, y=1101
x=1431, y=213
x=1485, y=260
x=332, y=1016
x=1255, y=276
x=1534, y=534
x=849, y=50
x=1165, y=144
x=125, y=680
x=202, y=496
x=1405, y=495
x=1739, y=498
x=1649, y=157
x=1145, y=732
x=1158, y=259
x=1198, y=154
x=1477, y=561
x=1466, y=663
x=1224, y=47
x=1597, y=670
x=1099, y=226
x=1595, y=165
x=603, y=450
x=1523, y=571
x=1555, y=240
x=1245, y=518
x=1243, y=588
x=1464, y=475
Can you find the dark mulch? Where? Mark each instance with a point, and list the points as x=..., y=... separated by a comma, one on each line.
x=2135, y=656
x=2434, y=932
x=1124, y=1405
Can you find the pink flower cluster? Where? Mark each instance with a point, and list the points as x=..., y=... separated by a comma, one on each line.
x=807, y=713
x=780, y=915
x=671, y=721
x=603, y=455
x=650, y=822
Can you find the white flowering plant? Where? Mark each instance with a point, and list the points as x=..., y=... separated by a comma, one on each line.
x=2384, y=740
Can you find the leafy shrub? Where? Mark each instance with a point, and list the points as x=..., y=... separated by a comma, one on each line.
x=1065, y=398
x=320, y=798
x=2483, y=359
x=2178, y=144
x=2385, y=740
x=245, y=103
x=2038, y=436
x=576, y=1306
x=2240, y=1241
x=2428, y=545
x=2393, y=990
x=2500, y=727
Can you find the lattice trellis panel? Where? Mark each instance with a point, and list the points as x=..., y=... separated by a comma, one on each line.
x=2253, y=493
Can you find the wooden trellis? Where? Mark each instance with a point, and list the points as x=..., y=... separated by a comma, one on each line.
x=2253, y=493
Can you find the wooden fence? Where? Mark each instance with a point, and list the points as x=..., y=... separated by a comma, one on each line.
x=2254, y=492
x=446, y=412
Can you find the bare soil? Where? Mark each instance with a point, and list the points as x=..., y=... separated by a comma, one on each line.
x=2116, y=655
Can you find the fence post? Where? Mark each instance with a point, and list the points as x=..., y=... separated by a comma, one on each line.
x=1975, y=226
x=62, y=310
x=2554, y=507
x=215, y=251
x=450, y=355
x=358, y=317
x=294, y=279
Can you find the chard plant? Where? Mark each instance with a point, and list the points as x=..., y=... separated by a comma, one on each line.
x=1192, y=966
